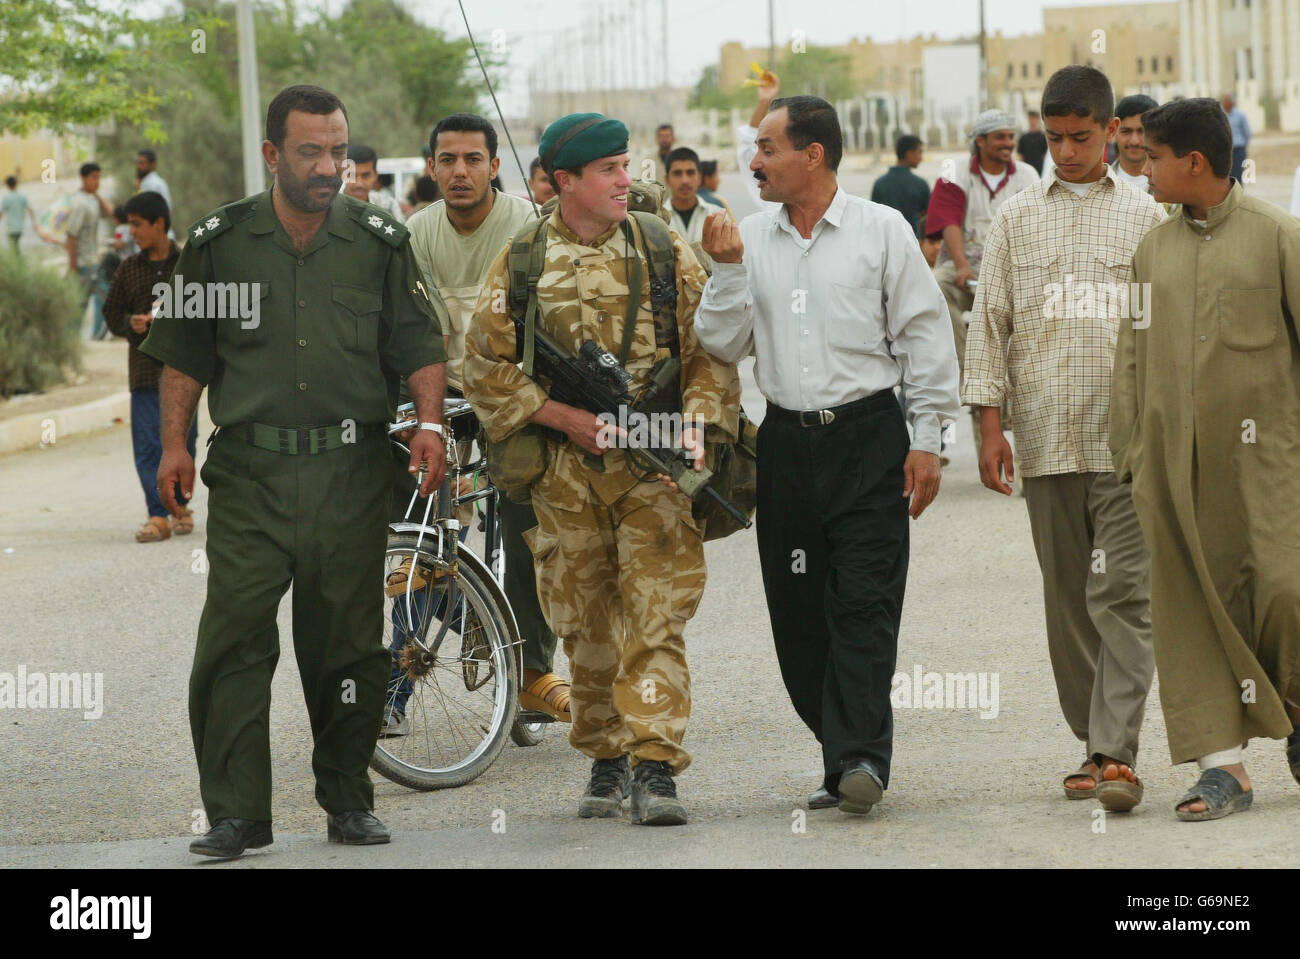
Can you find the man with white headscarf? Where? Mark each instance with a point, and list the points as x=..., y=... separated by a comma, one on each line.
x=962, y=207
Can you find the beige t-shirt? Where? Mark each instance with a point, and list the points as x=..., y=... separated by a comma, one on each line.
x=457, y=265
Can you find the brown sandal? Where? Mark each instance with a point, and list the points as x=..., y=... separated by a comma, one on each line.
x=545, y=695
x=1081, y=774
x=1118, y=794
x=183, y=525
x=154, y=531
x=396, y=584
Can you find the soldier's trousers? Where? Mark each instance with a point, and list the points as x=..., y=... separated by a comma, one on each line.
x=319, y=522
x=833, y=544
x=619, y=584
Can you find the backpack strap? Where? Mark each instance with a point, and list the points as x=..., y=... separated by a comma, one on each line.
x=633, y=294
x=524, y=265
x=657, y=242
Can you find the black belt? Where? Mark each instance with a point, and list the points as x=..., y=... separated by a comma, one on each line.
x=868, y=404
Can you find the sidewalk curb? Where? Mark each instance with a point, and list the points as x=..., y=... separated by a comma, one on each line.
x=23, y=432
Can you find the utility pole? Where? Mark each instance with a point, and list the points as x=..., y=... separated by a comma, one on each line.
x=249, y=106
x=663, y=20
x=771, y=36
x=984, y=63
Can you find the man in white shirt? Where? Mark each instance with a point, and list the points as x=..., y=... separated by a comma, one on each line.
x=364, y=181
x=1128, y=141
x=146, y=168
x=686, y=210
x=832, y=296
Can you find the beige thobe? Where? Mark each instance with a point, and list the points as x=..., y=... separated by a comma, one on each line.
x=1205, y=417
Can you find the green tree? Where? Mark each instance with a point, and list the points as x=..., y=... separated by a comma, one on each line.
x=66, y=62
x=395, y=76
x=820, y=71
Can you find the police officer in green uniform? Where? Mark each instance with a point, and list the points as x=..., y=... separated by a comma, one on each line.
x=299, y=471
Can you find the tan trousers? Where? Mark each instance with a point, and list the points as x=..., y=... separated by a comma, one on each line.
x=1096, y=589
x=619, y=583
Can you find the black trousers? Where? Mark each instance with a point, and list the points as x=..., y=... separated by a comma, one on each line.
x=832, y=540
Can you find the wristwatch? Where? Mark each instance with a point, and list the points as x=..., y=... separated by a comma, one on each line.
x=434, y=427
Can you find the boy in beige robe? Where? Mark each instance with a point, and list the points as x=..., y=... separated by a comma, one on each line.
x=1205, y=417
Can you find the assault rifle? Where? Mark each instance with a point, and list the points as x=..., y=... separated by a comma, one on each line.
x=594, y=381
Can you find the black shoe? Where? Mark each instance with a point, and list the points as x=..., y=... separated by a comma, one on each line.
x=357, y=827
x=610, y=781
x=823, y=798
x=229, y=837
x=859, y=788
x=654, y=796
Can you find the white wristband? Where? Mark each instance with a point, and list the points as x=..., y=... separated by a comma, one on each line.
x=434, y=427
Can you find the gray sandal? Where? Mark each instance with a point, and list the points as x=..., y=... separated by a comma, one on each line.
x=1220, y=792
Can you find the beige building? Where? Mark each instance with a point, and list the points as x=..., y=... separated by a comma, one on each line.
x=1181, y=48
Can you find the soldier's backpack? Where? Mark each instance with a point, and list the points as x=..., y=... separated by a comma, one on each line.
x=522, y=458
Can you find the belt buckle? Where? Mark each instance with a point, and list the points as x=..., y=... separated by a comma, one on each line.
x=816, y=418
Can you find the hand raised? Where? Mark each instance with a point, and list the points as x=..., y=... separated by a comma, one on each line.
x=722, y=239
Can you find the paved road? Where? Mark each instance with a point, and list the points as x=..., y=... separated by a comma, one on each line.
x=76, y=593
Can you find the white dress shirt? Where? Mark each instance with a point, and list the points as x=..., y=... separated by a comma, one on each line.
x=844, y=314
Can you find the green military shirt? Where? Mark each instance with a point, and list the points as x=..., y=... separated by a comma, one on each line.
x=339, y=322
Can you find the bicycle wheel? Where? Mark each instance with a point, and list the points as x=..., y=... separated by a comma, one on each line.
x=451, y=703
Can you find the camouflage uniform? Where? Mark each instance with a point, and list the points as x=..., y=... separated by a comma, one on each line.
x=619, y=562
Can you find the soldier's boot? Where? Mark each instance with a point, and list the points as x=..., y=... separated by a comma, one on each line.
x=654, y=796
x=610, y=781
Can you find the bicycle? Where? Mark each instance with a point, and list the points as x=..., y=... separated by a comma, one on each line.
x=448, y=708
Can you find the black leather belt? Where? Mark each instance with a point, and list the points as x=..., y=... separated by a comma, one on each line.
x=868, y=404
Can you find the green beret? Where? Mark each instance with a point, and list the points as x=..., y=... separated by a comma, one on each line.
x=580, y=138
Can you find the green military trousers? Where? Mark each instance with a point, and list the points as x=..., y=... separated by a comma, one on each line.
x=318, y=521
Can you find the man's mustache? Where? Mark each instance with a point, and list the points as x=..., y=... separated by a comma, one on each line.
x=330, y=182
x=760, y=177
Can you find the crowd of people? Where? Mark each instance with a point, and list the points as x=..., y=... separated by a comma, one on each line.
x=1072, y=297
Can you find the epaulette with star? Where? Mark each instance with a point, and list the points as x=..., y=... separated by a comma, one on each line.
x=218, y=221
x=376, y=220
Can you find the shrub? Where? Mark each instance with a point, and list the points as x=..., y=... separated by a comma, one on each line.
x=39, y=325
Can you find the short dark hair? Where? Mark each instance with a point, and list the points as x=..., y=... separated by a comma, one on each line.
x=682, y=155
x=147, y=154
x=465, y=123
x=119, y=213
x=1080, y=91
x=534, y=165
x=11, y=181
x=1134, y=104
x=906, y=144
x=304, y=97
x=1032, y=113
x=810, y=120
x=663, y=126
x=359, y=153
x=708, y=167
x=150, y=207
x=87, y=169
x=1195, y=123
